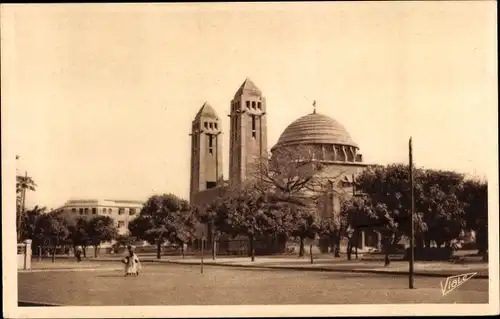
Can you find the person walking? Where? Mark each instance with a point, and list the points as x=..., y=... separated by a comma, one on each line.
x=78, y=253
x=132, y=263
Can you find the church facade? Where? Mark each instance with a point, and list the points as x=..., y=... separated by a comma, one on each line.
x=328, y=141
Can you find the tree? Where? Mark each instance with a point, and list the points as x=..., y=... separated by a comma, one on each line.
x=305, y=226
x=252, y=214
x=208, y=216
x=78, y=227
x=163, y=218
x=440, y=212
x=29, y=221
x=101, y=229
x=53, y=230
x=356, y=218
x=23, y=183
x=291, y=173
x=332, y=228
x=474, y=195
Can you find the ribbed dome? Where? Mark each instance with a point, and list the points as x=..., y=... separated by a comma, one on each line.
x=315, y=129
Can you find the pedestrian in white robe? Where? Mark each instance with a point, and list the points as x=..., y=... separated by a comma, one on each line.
x=132, y=263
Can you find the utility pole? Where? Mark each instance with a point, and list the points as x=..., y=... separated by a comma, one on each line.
x=412, y=231
x=23, y=200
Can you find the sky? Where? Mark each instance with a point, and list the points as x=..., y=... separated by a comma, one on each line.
x=98, y=99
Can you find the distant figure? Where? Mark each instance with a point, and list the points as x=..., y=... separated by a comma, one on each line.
x=78, y=253
x=132, y=263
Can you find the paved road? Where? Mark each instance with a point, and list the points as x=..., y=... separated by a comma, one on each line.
x=184, y=285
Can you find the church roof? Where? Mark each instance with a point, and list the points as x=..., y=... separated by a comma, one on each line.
x=248, y=87
x=315, y=128
x=206, y=111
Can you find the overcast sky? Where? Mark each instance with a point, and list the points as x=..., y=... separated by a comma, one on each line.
x=98, y=99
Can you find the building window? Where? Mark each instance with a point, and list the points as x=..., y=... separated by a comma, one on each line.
x=211, y=125
x=73, y=210
x=132, y=211
x=215, y=125
x=81, y=211
x=86, y=211
x=121, y=224
x=210, y=143
x=121, y=211
x=253, y=105
x=259, y=105
x=248, y=104
x=253, y=126
x=94, y=210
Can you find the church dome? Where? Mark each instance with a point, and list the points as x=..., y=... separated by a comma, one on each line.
x=315, y=128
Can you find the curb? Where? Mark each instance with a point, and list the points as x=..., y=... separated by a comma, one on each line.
x=323, y=269
x=367, y=271
x=65, y=269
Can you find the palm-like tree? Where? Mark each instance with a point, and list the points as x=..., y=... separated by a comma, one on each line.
x=23, y=183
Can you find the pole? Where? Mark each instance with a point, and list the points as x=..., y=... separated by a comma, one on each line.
x=23, y=200
x=202, y=248
x=412, y=231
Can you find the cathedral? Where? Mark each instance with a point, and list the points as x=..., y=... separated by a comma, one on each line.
x=330, y=142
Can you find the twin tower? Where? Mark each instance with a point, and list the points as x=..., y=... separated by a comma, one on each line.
x=247, y=140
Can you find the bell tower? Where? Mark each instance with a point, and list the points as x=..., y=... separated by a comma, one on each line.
x=248, y=133
x=206, y=151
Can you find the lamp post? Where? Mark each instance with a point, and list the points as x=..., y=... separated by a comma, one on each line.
x=412, y=230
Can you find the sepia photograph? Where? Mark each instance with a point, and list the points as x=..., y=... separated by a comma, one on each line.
x=249, y=159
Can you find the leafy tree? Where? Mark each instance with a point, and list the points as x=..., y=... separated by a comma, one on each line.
x=23, y=183
x=101, y=229
x=208, y=216
x=440, y=212
x=53, y=230
x=163, y=218
x=252, y=214
x=355, y=217
x=474, y=195
x=332, y=228
x=28, y=223
x=305, y=226
x=78, y=227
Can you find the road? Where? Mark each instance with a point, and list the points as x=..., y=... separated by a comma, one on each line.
x=185, y=285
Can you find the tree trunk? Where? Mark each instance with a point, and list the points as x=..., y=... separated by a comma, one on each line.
x=214, y=249
x=301, y=248
x=158, y=250
x=39, y=252
x=84, y=251
x=54, y=254
x=311, y=253
x=337, y=246
x=182, y=251
x=252, y=249
x=356, y=251
x=95, y=251
x=387, y=249
x=427, y=243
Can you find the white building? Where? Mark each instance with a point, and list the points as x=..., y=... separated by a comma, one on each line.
x=122, y=211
